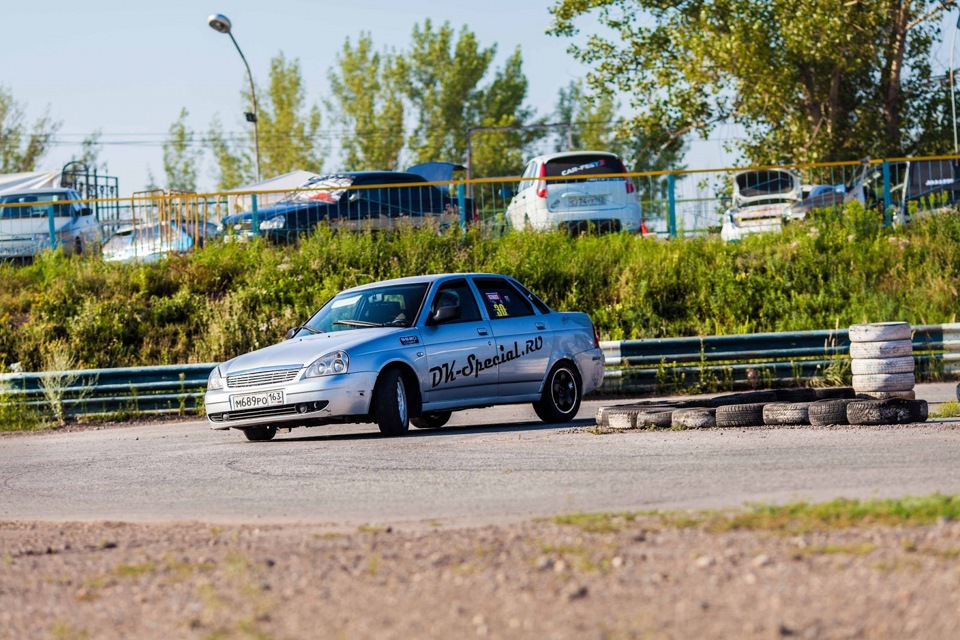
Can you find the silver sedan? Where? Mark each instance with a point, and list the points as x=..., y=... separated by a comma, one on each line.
x=412, y=350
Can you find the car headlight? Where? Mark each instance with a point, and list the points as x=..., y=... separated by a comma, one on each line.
x=215, y=381
x=276, y=222
x=329, y=365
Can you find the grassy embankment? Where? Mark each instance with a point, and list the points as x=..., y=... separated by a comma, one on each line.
x=830, y=271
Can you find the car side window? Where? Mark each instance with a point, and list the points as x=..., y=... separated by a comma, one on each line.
x=457, y=292
x=501, y=299
x=528, y=172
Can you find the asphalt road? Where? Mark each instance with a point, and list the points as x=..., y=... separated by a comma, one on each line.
x=488, y=466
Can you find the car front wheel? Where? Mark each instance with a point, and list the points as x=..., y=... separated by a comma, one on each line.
x=391, y=404
x=560, y=400
x=260, y=434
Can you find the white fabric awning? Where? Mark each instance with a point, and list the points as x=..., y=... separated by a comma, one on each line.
x=10, y=182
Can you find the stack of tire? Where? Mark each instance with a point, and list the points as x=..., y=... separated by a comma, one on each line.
x=881, y=360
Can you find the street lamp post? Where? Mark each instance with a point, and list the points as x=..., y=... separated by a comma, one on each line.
x=221, y=23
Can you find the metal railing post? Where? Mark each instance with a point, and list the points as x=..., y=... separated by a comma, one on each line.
x=462, y=206
x=671, y=205
x=54, y=243
x=256, y=215
x=887, y=203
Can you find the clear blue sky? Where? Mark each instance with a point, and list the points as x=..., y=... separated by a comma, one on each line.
x=127, y=67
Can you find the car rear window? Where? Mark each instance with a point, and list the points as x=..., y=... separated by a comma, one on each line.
x=583, y=166
x=321, y=189
x=762, y=183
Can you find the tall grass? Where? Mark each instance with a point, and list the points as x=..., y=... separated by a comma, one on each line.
x=834, y=269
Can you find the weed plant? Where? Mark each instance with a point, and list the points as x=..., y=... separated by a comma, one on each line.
x=832, y=270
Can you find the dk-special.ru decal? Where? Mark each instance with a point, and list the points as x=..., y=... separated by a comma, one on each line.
x=449, y=372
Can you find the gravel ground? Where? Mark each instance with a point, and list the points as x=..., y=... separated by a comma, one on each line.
x=531, y=580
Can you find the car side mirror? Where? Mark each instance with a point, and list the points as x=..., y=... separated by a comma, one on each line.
x=290, y=333
x=86, y=211
x=445, y=313
x=506, y=192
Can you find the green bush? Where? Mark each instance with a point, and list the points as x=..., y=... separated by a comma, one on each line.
x=833, y=270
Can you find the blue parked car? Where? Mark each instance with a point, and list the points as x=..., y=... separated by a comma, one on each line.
x=356, y=201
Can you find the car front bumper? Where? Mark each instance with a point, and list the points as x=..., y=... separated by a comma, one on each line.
x=306, y=402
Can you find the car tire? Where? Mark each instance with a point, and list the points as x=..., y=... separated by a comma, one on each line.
x=880, y=332
x=259, y=434
x=835, y=393
x=562, y=392
x=698, y=418
x=871, y=366
x=391, y=403
x=827, y=412
x=884, y=349
x=740, y=415
x=868, y=383
x=786, y=413
x=432, y=420
x=889, y=411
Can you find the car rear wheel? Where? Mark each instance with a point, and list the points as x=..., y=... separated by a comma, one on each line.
x=560, y=400
x=391, y=404
x=432, y=420
x=260, y=434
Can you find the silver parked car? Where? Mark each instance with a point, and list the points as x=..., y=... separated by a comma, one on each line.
x=412, y=350
x=28, y=218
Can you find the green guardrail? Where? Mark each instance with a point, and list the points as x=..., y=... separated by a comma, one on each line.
x=633, y=367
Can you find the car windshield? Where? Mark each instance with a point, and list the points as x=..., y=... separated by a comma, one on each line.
x=320, y=189
x=34, y=205
x=387, y=306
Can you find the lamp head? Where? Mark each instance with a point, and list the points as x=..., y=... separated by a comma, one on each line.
x=219, y=22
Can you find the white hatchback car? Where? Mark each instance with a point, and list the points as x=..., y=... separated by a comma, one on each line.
x=575, y=191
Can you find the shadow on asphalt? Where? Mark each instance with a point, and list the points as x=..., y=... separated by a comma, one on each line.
x=518, y=427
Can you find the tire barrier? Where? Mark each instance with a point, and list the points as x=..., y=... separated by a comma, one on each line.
x=889, y=411
x=873, y=372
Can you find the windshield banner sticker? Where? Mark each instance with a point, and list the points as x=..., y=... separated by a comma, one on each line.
x=449, y=372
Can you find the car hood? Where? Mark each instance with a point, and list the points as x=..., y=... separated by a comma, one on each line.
x=300, y=352
x=281, y=208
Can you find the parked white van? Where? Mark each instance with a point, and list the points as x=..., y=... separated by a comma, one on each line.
x=576, y=191
x=762, y=200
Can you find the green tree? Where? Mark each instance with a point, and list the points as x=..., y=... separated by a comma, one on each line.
x=288, y=132
x=22, y=145
x=501, y=104
x=592, y=119
x=181, y=156
x=90, y=149
x=368, y=104
x=808, y=80
x=288, y=127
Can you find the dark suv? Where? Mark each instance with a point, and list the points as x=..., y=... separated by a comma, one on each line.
x=359, y=200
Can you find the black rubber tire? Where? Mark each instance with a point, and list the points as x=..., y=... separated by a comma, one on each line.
x=604, y=413
x=796, y=394
x=825, y=412
x=880, y=332
x=889, y=411
x=746, y=397
x=740, y=415
x=562, y=392
x=834, y=393
x=391, y=403
x=432, y=420
x=700, y=418
x=259, y=434
x=786, y=413
x=883, y=395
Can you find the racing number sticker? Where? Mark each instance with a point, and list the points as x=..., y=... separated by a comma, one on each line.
x=500, y=310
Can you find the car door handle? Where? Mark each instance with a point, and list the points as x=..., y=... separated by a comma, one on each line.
x=482, y=331
x=541, y=326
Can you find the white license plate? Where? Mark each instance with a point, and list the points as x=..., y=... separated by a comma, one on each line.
x=586, y=201
x=256, y=400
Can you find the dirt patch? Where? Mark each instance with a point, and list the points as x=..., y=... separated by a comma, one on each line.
x=532, y=580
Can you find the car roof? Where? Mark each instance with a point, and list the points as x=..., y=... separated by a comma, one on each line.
x=547, y=157
x=39, y=192
x=424, y=279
